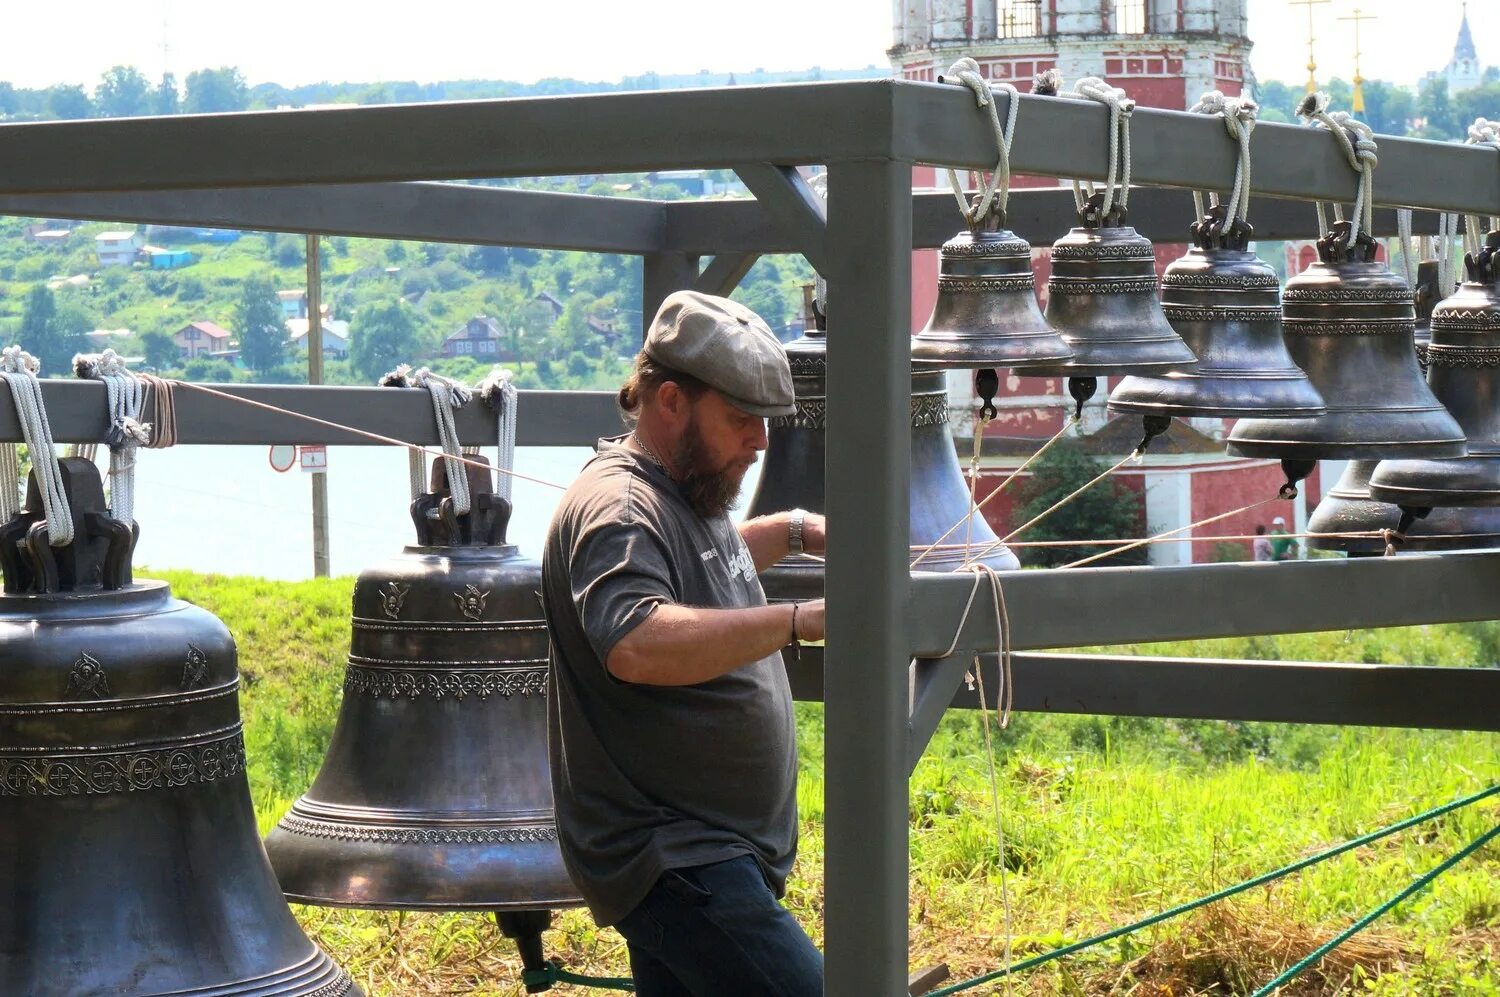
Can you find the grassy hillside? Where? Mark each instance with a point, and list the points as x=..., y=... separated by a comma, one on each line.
x=1106, y=820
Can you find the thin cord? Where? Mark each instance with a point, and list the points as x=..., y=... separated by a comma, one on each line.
x=356, y=431
x=1169, y=533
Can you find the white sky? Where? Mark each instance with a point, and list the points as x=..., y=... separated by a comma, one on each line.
x=308, y=41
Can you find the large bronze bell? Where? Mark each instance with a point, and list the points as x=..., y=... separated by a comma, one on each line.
x=1226, y=305
x=1349, y=324
x=1462, y=358
x=986, y=313
x=1102, y=298
x=792, y=474
x=132, y=863
x=1348, y=508
x=435, y=793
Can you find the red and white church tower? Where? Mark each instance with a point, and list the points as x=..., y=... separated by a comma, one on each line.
x=1162, y=53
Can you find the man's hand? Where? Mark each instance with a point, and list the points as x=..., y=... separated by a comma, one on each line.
x=811, y=625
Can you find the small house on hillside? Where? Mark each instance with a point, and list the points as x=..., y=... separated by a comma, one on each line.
x=198, y=339
x=167, y=259
x=118, y=249
x=550, y=302
x=293, y=303
x=335, y=336
x=481, y=337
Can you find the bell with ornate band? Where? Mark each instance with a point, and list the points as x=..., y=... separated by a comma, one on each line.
x=132, y=863
x=435, y=794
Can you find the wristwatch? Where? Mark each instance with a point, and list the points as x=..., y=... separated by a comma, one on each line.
x=794, y=532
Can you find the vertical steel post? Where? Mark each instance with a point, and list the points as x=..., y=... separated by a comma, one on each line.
x=663, y=273
x=865, y=669
x=321, y=567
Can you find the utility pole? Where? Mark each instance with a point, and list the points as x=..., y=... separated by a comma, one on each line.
x=315, y=376
x=1357, y=100
x=1312, y=63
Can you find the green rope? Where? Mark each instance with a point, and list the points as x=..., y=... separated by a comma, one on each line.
x=1248, y=884
x=1377, y=913
x=552, y=974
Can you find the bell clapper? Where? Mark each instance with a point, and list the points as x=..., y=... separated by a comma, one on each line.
x=1154, y=425
x=986, y=384
x=1082, y=389
x=526, y=927
x=1295, y=471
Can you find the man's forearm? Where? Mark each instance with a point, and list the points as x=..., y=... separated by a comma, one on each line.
x=766, y=538
x=681, y=645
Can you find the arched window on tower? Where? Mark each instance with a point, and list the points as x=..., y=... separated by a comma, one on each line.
x=1127, y=17
x=1019, y=18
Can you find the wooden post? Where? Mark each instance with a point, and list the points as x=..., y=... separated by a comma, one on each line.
x=321, y=567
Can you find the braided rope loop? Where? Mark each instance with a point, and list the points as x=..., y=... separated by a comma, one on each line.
x=19, y=370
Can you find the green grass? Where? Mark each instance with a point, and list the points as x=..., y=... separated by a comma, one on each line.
x=1106, y=820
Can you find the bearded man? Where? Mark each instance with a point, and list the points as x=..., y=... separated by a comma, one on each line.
x=670, y=727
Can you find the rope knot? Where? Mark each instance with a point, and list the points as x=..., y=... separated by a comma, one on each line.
x=425, y=378
x=127, y=428
x=14, y=360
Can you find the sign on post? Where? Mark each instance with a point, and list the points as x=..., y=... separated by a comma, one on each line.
x=283, y=456
x=314, y=457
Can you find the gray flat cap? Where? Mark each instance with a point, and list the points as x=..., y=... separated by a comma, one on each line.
x=726, y=346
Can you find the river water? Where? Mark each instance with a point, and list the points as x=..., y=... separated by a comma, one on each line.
x=224, y=509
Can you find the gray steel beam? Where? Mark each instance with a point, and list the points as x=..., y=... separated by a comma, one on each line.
x=545, y=136
x=661, y=274
x=78, y=413
x=868, y=468
x=1091, y=606
x=1061, y=137
x=793, y=206
x=724, y=272
x=433, y=212
x=1039, y=216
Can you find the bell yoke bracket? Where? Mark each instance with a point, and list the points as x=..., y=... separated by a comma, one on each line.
x=1334, y=247
x=97, y=558
x=1211, y=232
x=1092, y=214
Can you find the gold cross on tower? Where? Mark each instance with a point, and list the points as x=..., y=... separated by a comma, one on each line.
x=1312, y=63
x=1357, y=99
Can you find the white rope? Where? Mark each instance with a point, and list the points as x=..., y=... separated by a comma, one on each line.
x=10, y=481
x=19, y=370
x=1357, y=140
x=995, y=191
x=126, y=395
x=1403, y=238
x=447, y=397
x=819, y=186
x=1443, y=250
x=1239, y=116
x=1120, y=108
x=498, y=390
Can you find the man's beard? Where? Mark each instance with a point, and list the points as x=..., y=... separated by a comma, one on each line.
x=710, y=491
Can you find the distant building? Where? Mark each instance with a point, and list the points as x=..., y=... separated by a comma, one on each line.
x=335, y=336
x=46, y=233
x=293, y=303
x=118, y=249
x=198, y=339
x=550, y=302
x=167, y=259
x=481, y=337
x=101, y=338
x=1463, y=71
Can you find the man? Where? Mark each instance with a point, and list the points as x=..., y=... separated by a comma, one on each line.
x=1283, y=547
x=1260, y=547
x=671, y=735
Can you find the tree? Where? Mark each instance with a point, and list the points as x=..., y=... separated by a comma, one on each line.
x=211, y=90
x=1106, y=511
x=258, y=320
x=161, y=351
x=68, y=102
x=123, y=92
x=165, y=100
x=50, y=334
x=382, y=336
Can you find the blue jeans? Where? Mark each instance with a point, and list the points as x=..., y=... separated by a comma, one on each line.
x=718, y=931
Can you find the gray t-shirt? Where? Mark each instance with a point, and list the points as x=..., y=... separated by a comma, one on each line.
x=650, y=778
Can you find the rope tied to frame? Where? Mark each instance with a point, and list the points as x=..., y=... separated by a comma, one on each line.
x=19, y=371
x=10, y=481
x=448, y=396
x=1357, y=140
x=1239, y=117
x=126, y=396
x=993, y=193
x=498, y=391
x=1121, y=106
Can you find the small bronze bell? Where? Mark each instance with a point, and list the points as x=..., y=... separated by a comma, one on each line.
x=1463, y=358
x=1348, y=508
x=132, y=863
x=435, y=793
x=1348, y=322
x=792, y=474
x=986, y=314
x=1226, y=305
x=1102, y=298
